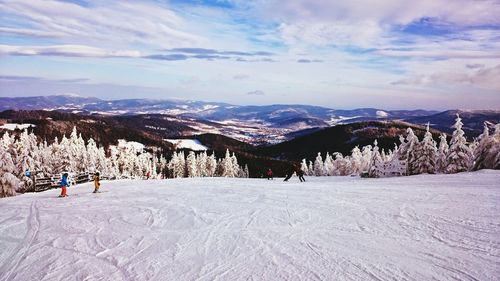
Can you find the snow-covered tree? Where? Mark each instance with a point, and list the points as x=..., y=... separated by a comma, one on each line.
x=328, y=168
x=367, y=157
x=484, y=143
x=92, y=156
x=310, y=169
x=319, y=168
x=356, y=161
x=201, y=164
x=492, y=151
x=303, y=166
x=425, y=155
x=246, y=171
x=62, y=156
x=376, y=164
x=458, y=157
x=409, y=151
x=25, y=150
x=191, y=165
x=9, y=183
x=342, y=165
x=236, y=167
x=441, y=154
x=211, y=165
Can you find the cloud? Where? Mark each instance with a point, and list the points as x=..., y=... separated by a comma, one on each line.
x=202, y=51
x=308, y=61
x=15, y=78
x=474, y=65
x=66, y=51
x=440, y=54
x=88, y=51
x=481, y=77
x=241, y=76
x=111, y=22
x=211, y=54
x=172, y=57
x=256, y=93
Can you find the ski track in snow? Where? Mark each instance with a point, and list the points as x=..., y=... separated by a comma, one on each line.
x=426, y=227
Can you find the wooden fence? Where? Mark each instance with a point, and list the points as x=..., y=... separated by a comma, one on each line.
x=46, y=183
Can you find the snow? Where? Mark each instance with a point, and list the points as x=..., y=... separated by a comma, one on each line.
x=425, y=227
x=381, y=114
x=14, y=126
x=130, y=144
x=194, y=145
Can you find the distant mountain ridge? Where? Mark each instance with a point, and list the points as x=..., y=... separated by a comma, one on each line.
x=277, y=114
x=266, y=124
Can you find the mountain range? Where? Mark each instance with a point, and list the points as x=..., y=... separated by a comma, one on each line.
x=267, y=124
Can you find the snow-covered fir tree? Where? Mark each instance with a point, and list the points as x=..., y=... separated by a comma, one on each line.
x=8, y=181
x=319, y=167
x=201, y=164
x=211, y=165
x=459, y=154
x=492, y=150
x=376, y=164
x=328, y=167
x=410, y=152
x=236, y=167
x=356, y=161
x=425, y=156
x=310, y=169
x=304, y=167
x=441, y=154
x=191, y=165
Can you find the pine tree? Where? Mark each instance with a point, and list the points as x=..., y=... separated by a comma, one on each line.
x=62, y=156
x=201, y=163
x=310, y=169
x=492, y=158
x=303, y=166
x=9, y=183
x=328, y=167
x=441, y=154
x=92, y=156
x=412, y=153
x=236, y=167
x=102, y=165
x=481, y=150
x=341, y=165
x=458, y=157
x=227, y=165
x=425, y=161
x=211, y=165
x=247, y=172
x=376, y=164
x=366, y=159
x=356, y=161
x=26, y=147
x=192, y=167
x=319, y=168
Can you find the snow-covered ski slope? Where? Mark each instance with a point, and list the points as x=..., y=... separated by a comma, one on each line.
x=426, y=227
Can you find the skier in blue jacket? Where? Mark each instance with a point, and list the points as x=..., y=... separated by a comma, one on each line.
x=64, y=184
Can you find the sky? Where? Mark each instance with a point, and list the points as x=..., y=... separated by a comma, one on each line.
x=391, y=54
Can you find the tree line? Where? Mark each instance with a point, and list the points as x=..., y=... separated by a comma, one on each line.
x=414, y=156
x=126, y=160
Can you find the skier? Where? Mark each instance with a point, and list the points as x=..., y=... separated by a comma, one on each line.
x=97, y=182
x=300, y=173
x=269, y=174
x=64, y=184
x=290, y=174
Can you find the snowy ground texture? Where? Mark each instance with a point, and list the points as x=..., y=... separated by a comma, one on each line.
x=438, y=227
